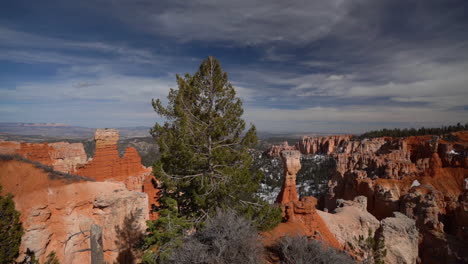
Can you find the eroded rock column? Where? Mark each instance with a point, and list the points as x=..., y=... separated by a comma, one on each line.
x=292, y=164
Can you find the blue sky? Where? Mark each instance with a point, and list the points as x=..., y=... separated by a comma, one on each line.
x=299, y=66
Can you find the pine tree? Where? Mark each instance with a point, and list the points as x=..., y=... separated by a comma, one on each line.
x=11, y=229
x=165, y=233
x=205, y=161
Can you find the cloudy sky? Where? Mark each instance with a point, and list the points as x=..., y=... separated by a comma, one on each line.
x=299, y=66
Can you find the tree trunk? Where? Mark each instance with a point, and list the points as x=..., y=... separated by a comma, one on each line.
x=97, y=253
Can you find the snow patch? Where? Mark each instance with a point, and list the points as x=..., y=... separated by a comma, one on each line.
x=415, y=183
x=453, y=152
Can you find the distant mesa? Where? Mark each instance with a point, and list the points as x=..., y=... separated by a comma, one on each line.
x=45, y=124
x=65, y=131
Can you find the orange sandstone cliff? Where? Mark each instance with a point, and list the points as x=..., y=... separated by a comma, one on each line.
x=54, y=212
x=107, y=165
x=114, y=192
x=62, y=156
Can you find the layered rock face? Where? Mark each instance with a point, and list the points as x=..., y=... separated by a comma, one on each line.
x=300, y=216
x=62, y=156
x=107, y=165
x=55, y=210
x=313, y=145
x=352, y=225
x=54, y=213
x=349, y=221
x=275, y=150
x=323, y=145
x=400, y=237
x=423, y=177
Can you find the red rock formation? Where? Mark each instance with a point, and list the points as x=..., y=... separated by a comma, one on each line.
x=422, y=177
x=54, y=212
x=291, y=164
x=275, y=150
x=150, y=187
x=301, y=217
x=107, y=165
x=62, y=156
x=323, y=145
x=314, y=145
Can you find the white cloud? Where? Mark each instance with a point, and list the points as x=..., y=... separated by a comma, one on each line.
x=243, y=22
x=104, y=87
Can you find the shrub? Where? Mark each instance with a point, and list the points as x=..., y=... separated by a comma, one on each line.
x=302, y=250
x=374, y=250
x=226, y=238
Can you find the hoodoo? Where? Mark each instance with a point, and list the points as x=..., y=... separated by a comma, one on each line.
x=107, y=165
x=300, y=215
x=292, y=164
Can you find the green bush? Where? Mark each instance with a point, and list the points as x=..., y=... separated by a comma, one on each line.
x=11, y=229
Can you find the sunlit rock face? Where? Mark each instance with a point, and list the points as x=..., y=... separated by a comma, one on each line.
x=107, y=165
x=400, y=237
x=349, y=221
x=55, y=211
x=291, y=164
x=300, y=215
x=62, y=156
x=352, y=225
x=114, y=192
x=423, y=177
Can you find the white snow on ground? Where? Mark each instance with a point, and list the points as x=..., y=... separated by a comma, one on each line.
x=453, y=152
x=270, y=197
x=415, y=183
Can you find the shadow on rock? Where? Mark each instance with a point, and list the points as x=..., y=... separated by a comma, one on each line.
x=129, y=238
